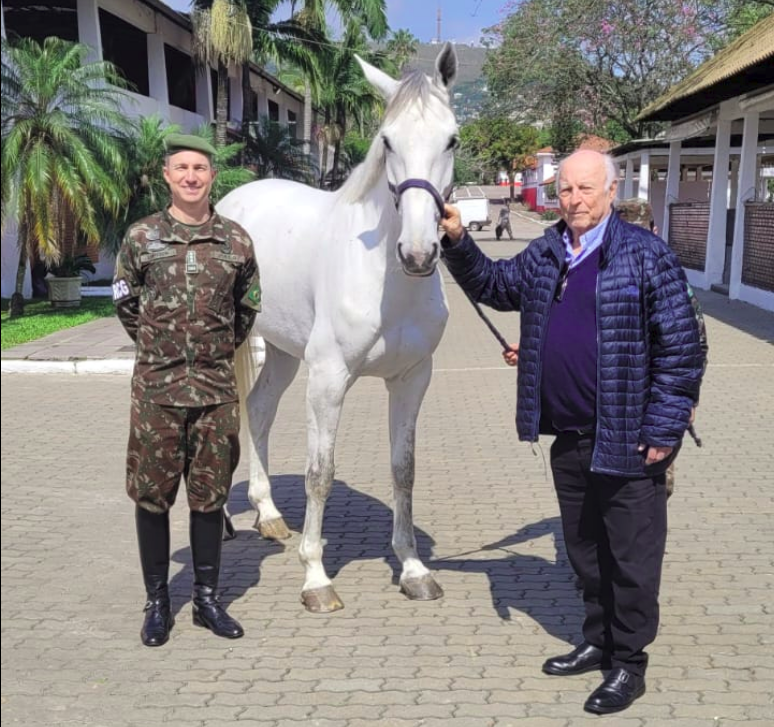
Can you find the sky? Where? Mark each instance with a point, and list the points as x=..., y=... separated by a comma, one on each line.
x=461, y=20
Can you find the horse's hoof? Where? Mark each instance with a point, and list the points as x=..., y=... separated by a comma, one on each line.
x=421, y=589
x=272, y=529
x=321, y=600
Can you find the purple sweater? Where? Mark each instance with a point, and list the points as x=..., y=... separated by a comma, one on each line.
x=568, y=391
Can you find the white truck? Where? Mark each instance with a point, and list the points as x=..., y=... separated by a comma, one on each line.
x=473, y=205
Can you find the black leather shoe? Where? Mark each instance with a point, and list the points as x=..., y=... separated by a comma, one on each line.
x=158, y=622
x=585, y=657
x=208, y=612
x=617, y=692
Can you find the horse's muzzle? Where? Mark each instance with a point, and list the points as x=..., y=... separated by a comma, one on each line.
x=418, y=264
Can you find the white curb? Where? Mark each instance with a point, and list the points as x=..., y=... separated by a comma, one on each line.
x=84, y=366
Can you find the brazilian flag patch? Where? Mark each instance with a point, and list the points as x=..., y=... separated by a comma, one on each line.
x=252, y=298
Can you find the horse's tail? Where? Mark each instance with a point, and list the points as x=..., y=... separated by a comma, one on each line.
x=248, y=361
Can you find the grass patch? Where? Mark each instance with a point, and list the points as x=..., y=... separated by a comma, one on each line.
x=40, y=319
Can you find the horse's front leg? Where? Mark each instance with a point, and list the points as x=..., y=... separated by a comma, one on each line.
x=277, y=373
x=406, y=395
x=325, y=397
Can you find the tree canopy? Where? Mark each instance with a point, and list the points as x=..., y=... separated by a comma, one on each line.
x=490, y=144
x=601, y=62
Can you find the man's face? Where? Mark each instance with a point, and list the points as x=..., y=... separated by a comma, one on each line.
x=189, y=175
x=583, y=199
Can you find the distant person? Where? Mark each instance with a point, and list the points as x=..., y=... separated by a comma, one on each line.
x=504, y=222
x=610, y=364
x=187, y=291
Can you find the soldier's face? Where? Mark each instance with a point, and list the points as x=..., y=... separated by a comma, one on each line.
x=189, y=175
x=584, y=199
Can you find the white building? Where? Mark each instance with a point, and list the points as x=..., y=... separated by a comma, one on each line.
x=151, y=44
x=708, y=177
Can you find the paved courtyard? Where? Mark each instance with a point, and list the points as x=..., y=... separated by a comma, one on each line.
x=487, y=524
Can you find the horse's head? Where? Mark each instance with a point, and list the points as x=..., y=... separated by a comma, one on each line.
x=417, y=140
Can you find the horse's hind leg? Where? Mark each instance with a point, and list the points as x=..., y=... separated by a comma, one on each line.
x=278, y=371
x=406, y=395
x=325, y=396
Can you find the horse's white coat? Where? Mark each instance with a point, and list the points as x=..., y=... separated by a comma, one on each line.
x=350, y=286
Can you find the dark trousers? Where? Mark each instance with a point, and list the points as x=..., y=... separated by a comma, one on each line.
x=615, y=533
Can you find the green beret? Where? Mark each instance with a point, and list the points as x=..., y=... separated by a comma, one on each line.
x=188, y=142
x=635, y=211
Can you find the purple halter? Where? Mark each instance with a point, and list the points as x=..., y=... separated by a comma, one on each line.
x=399, y=189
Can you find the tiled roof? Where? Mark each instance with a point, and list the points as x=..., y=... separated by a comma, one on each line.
x=749, y=49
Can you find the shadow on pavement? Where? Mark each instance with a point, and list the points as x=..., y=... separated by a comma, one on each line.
x=542, y=589
x=359, y=527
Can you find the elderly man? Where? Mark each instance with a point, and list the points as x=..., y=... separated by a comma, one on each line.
x=609, y=364
x=187, y=291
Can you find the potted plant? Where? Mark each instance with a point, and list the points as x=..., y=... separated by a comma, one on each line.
x=64, y=285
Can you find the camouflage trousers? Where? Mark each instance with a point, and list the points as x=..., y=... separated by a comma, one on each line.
x=166, y=443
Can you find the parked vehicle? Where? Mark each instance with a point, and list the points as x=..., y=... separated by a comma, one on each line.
x=473, y=205
x=503, y=180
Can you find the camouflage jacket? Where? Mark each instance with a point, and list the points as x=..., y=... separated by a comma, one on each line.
x=188, y=296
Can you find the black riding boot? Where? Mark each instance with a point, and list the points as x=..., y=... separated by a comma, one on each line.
x=153, y=541
x=206, y=541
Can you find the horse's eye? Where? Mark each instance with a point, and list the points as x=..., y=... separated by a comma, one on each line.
x=454, y=142
x=387, y=144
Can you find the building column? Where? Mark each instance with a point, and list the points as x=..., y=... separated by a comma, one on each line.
x=644, y=188
x=620, y=189
x=205, y=106
x=157, y=73
x=748, y=167
x=716, y=236
x=629, y=179
x=235, y=112
x=733, y=188
x=672, y=191
x=88, y=28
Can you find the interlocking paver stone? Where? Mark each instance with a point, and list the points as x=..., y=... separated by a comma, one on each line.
x=486, y=524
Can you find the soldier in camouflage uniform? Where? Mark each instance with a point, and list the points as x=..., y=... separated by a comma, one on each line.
x=187, y=291
x=638, y=211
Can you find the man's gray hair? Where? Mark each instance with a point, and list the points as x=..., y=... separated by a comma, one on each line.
x=612, y=172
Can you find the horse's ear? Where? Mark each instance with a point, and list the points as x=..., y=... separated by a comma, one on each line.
x=446, y=65
x=385, y=85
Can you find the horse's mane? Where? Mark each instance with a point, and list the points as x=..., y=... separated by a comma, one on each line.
x=415, y=88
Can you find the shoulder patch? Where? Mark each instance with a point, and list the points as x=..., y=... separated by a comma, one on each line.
x=252, y=298
x=121, y=290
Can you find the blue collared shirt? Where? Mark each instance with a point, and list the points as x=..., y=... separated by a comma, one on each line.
x=589, y=242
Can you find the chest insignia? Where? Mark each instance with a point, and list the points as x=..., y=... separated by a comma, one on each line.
x=191, y=267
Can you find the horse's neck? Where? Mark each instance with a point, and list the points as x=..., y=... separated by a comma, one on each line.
x=375, y=214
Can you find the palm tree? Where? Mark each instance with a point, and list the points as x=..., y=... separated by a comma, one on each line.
x=144, y=149
x=401, y=48
x=223, y=36
x=347, y=94
x=61, y=152
x=371, y=13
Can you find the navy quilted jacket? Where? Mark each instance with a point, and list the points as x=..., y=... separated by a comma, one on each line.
x=648, y=376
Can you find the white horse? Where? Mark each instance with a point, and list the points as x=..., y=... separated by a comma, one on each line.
x=351, y=287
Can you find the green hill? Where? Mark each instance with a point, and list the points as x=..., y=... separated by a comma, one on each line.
x=470, y=61
x=469, y=91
